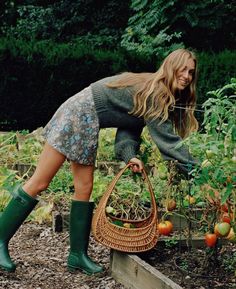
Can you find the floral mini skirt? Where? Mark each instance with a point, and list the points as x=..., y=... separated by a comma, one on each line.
x=74, y=128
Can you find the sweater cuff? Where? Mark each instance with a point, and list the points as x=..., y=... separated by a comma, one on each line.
x=186, y=169
x=128, y=153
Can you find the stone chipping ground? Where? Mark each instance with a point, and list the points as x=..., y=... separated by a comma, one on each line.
x=40, y=255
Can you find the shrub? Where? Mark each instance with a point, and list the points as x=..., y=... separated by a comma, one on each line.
x=37, y=76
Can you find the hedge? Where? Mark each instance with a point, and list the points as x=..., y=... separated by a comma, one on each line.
x=36, y=77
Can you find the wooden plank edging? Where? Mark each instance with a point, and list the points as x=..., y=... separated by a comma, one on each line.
x=134, y=273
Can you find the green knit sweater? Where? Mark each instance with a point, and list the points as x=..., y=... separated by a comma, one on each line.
x=113, y=106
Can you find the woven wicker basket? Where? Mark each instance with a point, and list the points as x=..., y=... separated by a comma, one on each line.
x=139, y=239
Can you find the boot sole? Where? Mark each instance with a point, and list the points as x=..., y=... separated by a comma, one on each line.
x=74, y=269
x=7, y=269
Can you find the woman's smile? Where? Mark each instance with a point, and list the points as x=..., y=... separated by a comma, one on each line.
x=185, y=74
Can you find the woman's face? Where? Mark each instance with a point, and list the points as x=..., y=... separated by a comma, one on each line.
x=184, y=75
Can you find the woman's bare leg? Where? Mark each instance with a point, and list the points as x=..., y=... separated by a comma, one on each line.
x=49, y=163
x=83, y=181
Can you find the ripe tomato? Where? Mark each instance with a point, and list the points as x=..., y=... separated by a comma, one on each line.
x=171, y=205
x=165, y=228
x=224, y=208
x=226, y=218
x=210, y=239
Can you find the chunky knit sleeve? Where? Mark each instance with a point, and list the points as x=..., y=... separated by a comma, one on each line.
x=127, y=143
x=166, y=141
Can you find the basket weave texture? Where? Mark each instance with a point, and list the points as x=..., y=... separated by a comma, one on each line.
x=133, y=240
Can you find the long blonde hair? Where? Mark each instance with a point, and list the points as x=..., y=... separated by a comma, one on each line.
x=157, y=93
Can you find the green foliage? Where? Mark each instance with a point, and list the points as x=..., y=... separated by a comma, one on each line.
x=20, y=148
x=147, y=32
x=171, y=242
x=158, y=27
x=8, y=183
x=219, y=117
x=210, y=21
x=63, y=181
x=45, y=74
x=106, y=145
x=215, y=70
x=65, y=20
x=32, y=22
x=38, y=76
x=154, y=27
x=215, y=148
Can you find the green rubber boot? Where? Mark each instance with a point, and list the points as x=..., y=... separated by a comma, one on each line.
x=80, y=225
x=11, y=218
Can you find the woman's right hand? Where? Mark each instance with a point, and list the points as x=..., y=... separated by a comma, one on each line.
x=136, y=165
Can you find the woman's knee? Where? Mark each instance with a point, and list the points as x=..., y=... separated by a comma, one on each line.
x=36, y=186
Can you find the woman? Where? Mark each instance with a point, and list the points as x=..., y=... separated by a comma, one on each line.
x=129, y=102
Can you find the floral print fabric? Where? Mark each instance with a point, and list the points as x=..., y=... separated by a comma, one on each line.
x=74, y=128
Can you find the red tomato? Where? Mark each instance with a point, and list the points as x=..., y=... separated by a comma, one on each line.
x=226, y=218
x=224, y=208
x=210, y=239
x=165, y=228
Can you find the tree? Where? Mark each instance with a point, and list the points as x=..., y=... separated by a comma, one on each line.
x=91, y=21
x=147, y=32
x=159, y=25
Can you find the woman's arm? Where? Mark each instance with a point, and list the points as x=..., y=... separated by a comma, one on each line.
x=127, y=144
x=166, y=140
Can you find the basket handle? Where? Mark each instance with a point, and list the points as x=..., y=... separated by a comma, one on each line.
x=110, y=188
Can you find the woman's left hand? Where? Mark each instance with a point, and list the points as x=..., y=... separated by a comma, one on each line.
x=136, y=165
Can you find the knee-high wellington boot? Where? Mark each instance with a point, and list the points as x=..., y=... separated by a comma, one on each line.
x=12, y=217
x=80, y=225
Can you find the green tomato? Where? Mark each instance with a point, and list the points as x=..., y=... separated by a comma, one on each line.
x=209, y=154
x=205, y=164
x=162, y=176
x=223, y=228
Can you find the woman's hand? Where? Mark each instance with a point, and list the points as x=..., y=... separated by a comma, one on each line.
x=137, y=165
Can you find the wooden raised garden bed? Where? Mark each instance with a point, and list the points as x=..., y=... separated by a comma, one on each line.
x=153, y=270
x=134, y=273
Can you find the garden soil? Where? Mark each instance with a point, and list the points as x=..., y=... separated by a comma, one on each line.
x=40, y=255
x=192, y=268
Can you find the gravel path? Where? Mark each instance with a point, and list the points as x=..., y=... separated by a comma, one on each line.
x=40, y=255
